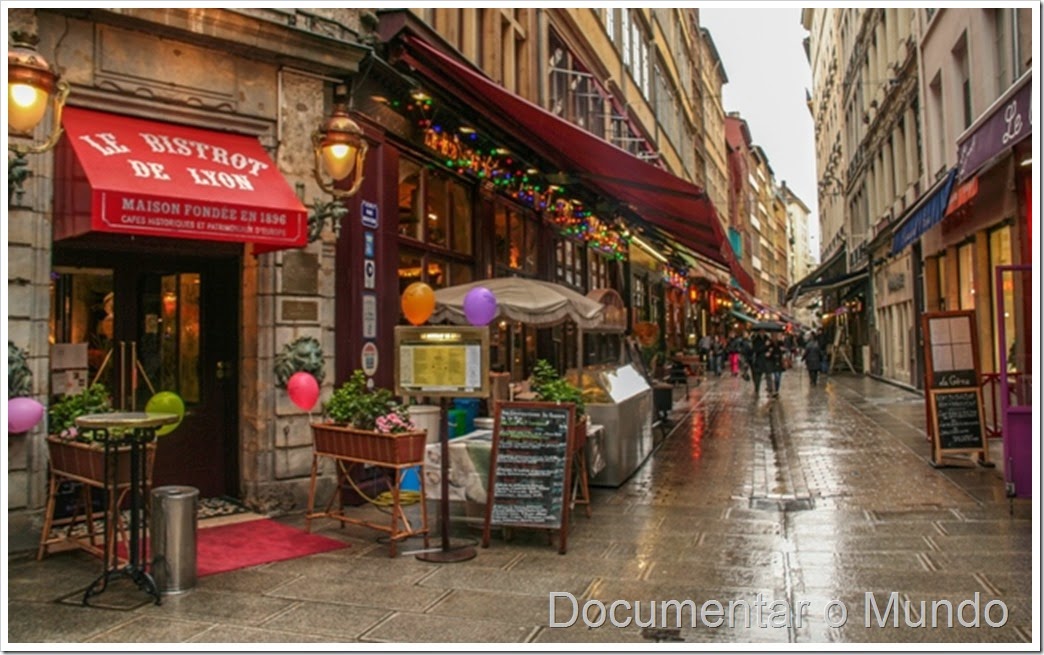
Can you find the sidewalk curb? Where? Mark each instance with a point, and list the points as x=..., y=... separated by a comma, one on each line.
x=896, y=383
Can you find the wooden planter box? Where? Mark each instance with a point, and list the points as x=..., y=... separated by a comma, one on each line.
x=85, y=462
x=392, y=450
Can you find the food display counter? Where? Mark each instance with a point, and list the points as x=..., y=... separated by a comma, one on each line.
x=619, y=399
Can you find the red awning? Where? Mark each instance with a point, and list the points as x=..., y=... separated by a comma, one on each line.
x=658, y=196
x=133, y=176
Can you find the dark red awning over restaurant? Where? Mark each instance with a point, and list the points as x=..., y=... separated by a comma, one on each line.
x=134, y=176
x=656, y=195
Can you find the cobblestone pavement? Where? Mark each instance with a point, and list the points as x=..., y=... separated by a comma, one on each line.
x=790, y=510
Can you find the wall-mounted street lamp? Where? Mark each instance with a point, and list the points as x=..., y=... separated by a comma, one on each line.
x=32, y=86
x=340, y=149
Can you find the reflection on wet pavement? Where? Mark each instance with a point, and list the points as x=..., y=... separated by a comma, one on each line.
x=792, y=514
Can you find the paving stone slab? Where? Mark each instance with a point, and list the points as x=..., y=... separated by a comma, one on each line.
x=347, y=591
x=152, y=629
x=328, y=621
x=426, y=628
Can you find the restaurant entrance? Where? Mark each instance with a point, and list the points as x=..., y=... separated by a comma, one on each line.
x=157, y=322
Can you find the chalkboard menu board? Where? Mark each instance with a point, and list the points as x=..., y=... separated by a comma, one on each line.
x=530, y=468
x=958, y=421
x=951, y=376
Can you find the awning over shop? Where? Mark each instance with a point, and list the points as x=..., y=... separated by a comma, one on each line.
x=924, y=214
x=743, y=317
x=655, y=195
x=821, y=270
x=133, y=176
x=836, y=282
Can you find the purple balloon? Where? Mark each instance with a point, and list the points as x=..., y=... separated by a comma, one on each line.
x=23, y=414
x=480, y=306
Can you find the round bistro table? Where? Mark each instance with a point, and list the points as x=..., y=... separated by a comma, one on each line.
x=115, y=430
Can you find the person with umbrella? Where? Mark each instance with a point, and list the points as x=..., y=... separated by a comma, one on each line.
x=813, y=360
x=774, y=364
x=758, y=362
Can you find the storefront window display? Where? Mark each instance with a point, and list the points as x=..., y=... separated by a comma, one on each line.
x=966, y=275
x=439, y=229
x=1000, y=255
x=515, y=241
x=84, y=311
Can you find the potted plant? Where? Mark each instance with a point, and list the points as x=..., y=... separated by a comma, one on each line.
x=368, y=425
x=76, y=456
x=550, y=387
x=73, y=454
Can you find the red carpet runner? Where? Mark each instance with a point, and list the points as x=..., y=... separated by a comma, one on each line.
x=249, y=543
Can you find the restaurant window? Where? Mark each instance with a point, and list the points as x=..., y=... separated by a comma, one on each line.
x=640, y=299
x=515, y=237
x=599, y=276
x=966, y=275
x=569, y=263
x=435, y=227
x=1000, y=255
x=167, y=347
x=82, y=312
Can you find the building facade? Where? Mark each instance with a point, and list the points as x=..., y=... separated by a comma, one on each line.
x=933, y=203
x=977, y=66
x=802, y=252
x=177, y=287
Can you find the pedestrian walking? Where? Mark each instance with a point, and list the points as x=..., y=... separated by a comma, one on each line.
x=704, y=346
x=717, y=355
x=758, y=364
x=734, y=354
x=774, y=365
x=813, y=360
x=745, y=354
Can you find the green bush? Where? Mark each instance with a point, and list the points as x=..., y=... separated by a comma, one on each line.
x=550, y=387
x=62, y=415
x=354, y=405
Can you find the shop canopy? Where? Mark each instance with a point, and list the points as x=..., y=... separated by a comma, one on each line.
x=652, y=193
x=533, y=302
x=134, y=176
x=925, y=214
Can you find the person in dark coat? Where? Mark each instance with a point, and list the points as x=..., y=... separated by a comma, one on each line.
x=758, y=364
x=813, y=360
x=774, y=365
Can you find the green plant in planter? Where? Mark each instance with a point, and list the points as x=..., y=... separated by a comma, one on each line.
x=356, y=406
x=550, y=387
x=62, y=415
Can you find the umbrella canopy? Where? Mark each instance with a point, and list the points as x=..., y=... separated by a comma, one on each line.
x=533, y=302
x=768, y=326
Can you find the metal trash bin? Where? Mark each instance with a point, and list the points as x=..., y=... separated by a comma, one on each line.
x=173, y=530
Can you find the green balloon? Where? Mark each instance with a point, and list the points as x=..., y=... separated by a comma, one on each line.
x=166, y=402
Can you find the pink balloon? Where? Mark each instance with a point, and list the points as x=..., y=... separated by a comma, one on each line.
x=23, y=414
x=303, y=390
x=480, y=306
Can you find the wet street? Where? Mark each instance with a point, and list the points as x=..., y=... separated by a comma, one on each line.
x=779, y=520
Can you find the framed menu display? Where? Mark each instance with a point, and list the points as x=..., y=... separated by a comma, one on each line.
x=953, y=405
x=530, y=468
x=442, y=361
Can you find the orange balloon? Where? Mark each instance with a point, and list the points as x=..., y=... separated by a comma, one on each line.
x=418, y=302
